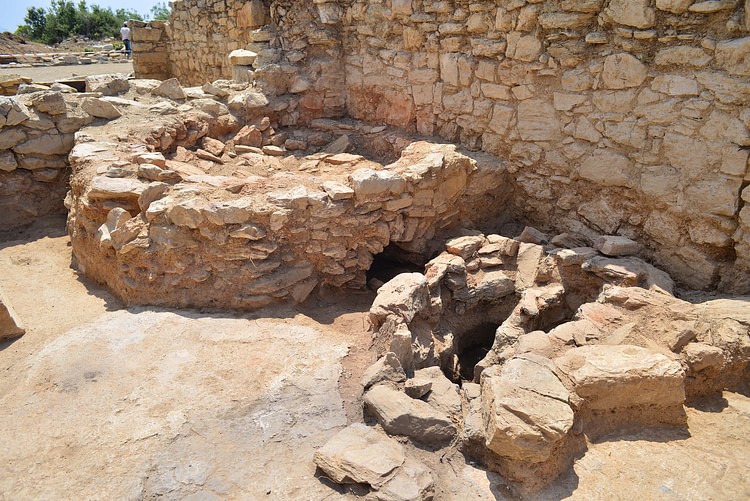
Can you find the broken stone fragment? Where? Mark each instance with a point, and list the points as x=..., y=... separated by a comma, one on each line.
x=386, y=369
x=171, y=89
x=50, y=102
x=337, y=191
x=399, y=414
x=10, y=324
x=412, y=482
x=417, y=387
x=611, y=377
x=242, y=57
x=405, y=296
x=531, y=235
x=701, y=356
x=99, y=108
x=466, y=246
x=212, y=89
x=358, y=454
x=525, y=408
x=108, y=85
x=444, y=395
x=615, y=245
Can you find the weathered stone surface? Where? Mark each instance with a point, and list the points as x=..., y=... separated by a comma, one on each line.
x=104, y=188
x=444, y=395
x=386, y=369
x=100, y=109
x=243, y=57
x=622, y=71
x=109, y=85
x=636, y=13
x=404, y=296
x=47, y=144
x=170, y=88
x=412, y=482
x=49, y=102
x=525, y=408
x=359, y=454
x=610, y=377
x=614, y=245
x=399, y=414
x=10, y=324
x=369, y=184
x=417, y=387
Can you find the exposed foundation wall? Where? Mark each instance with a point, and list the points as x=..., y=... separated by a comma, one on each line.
x=150, y=46
x=616, y=116
x=621, y=116
x=36, y=135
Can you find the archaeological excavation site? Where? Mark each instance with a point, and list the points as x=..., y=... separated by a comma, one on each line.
x=384, y=250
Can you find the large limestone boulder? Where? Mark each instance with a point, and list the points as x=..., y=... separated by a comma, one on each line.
x=10, y=324
x=404, y=296
x=525, y=409
x=359, y=454
x=611, y=377
x=401, y=415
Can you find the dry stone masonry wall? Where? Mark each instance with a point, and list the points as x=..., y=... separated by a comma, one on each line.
x=619, y=116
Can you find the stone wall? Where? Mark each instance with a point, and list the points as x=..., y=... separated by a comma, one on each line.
x=616, y=116
x=36, y=134
x=150, y=45
x=625, y=116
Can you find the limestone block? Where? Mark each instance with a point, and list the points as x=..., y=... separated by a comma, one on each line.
x=108, y=188
x=675, y=85
x=369, y=184
x=635, y=13
x=523, y=47
x=400, y=414
x=242, y=57
x=99, y=108
x=171, y=89
x=8, y=161
x=465, y=246
x=252, y=15
x=615, y=245
x=674, y=6
x=49, y=102
x=386, y=369
x=537, y=121
x=621, y=376
x=525, y=409
x=47, y=144
x=444, y=395
x=622, y=71
x=109, y=85
x=404, y=296
x=359, y=454
x=734, y=56
x=701, y=356
x=563, y=20
x=581, y=5
x=607, y=167
x=682, y=55
x=11, y=137
x=412, y=482
x=10, y=324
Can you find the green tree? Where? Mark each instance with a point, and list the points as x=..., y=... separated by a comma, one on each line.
x=159, y=11
x=36, y=22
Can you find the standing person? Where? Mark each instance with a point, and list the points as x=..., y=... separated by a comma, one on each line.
x=125, y=34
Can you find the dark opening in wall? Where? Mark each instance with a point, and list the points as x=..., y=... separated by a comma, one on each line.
x=473, y=347
x=394, y=261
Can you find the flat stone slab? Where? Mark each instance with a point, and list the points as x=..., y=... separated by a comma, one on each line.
x=102, y=187
x=359, y=454
x=400, y=414
x=610, y=377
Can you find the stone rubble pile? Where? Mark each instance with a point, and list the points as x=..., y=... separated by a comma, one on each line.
x=593, y=345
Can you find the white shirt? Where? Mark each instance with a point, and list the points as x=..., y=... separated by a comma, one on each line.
x=125, y=33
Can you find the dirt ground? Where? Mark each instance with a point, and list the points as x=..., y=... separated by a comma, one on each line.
x=98, y=401
x=52, y=73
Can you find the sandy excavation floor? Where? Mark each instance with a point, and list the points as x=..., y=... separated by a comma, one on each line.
x=102, y=402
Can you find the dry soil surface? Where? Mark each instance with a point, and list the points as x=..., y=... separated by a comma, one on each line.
x=53, y=73
x=98, y=401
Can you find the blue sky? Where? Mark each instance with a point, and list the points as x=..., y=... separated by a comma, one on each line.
x=12, y=12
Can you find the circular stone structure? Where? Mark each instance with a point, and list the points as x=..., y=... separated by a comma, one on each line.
x=189, y=214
